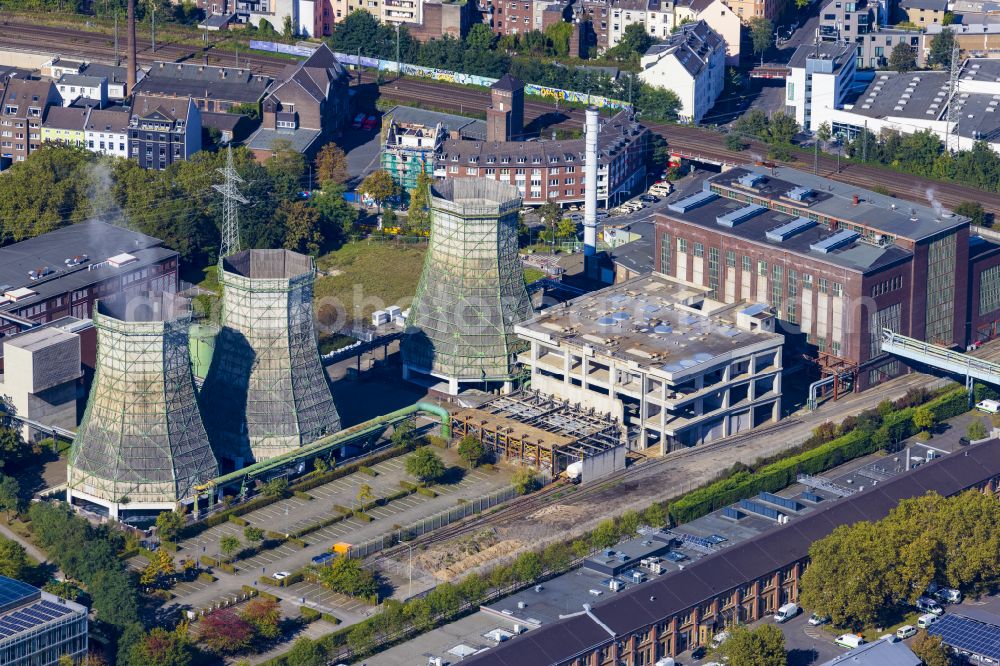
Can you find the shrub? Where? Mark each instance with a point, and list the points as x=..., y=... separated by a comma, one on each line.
x=339, y=508
x=206, y=577
x=227, y=567
x=309, y=614
x=367, y=470
x=332, y=619
x=406, y=485
x=362, y=516
x=303, y=495
x=208, y=561
x=236, y=520
x=426, y=492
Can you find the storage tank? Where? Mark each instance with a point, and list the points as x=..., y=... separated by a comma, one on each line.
x=201, y=342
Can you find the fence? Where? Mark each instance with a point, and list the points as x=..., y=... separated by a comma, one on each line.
x=432, y=523
x=449, y=76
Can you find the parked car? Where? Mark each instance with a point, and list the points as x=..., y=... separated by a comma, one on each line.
x=358, y=119
x=323, y=558
x=719, y=639
x=280, y=575
x=816, y=619
x=926, y=620
x=786, y=613
x=906, y=631
x=928, y=605
x=988, y=406
x=369, y=123
x=849, y=641
x=948, y=595
x=649, y=198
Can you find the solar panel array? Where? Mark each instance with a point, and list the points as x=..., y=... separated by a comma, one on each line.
x=14, y=593
x=730, y=512
x=698, y=543
x=30, y=617
x=969, y=635
x=777, y=500
x=759, y=509
x=810, y=496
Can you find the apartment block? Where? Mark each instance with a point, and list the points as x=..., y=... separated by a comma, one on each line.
x=22, y=108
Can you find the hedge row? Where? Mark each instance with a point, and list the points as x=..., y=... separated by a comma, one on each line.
x=296, y=577
x=895, y=427
x=343, y=513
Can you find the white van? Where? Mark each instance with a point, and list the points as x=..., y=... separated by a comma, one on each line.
x=906, y=631
x=988, y=406
x=926, y=620
x=719, y=639
x=928, y=605
x=850, y=641
x=786, y=612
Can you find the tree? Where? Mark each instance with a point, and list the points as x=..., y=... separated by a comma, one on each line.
x=404, y=434
x=972, y=210
x=752, y=124
x=253, y=534
x=305, y=652
x=303, y=232
x=225, y=632
x=361, y=638
x=527, y=567
x=782, y=128
x=923, y=418
x=977, y=430
x=551, y=214
x=903, y=58
x=13, y=559
x=331, y=164
x=752, y=647
x=425, y=465
x=823, y=132
x=12, y=446
x=480, y=37
x=761, y=35
x=735, y=142
x=10, y=494
x=159, y=648
x=559, y=35
x=337, y=217
x=471, y=450
x=364, y=494
x=379, y=185
x=635, y=41
x=628, y=524
x=276, y=487
x=605, y=535
x=347, y=576
x=931, y=649
x=229, y=544
x=940, y=51
x=524, y=481
x=265, y=617
x=287, y=28
x=113, y=598
x=566, y=228
x=169, y=524
x=655, y=516
x=419, y=216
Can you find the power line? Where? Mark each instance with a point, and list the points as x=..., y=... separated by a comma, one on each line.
x=230, y=214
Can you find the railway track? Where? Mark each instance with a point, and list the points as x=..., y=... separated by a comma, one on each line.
x=523, y=507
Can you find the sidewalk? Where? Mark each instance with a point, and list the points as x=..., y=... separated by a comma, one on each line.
x=29, y=547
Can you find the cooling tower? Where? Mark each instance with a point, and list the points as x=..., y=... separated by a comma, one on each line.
x=471, y=292
x=142, y=443
x=266, y=391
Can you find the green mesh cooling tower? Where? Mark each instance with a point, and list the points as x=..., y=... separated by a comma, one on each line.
x=471, y=292
x=266, y=391
x=142, y=444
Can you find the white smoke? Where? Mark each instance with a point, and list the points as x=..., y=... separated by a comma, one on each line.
x=938, y=208
x=103, y=205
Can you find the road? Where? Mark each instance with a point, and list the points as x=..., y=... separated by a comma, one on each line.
x=451, y=97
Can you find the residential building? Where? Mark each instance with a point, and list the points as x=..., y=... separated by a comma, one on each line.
x=553, y=170
x=719, y=18
x=22, y=107
x=883, y=652
x=918, y=101
x=106, y=132
x=309, y=18
x=65, y=125
x=414, y=137
x=876, y=47
x=836, y=263
x=115, y=76
x=40, y=629
x=213, y=89
x=82, y=87
x=848, y=20
x=651, y=14
x=512, y=17
x=306, y=105
x=163, y=130
x=64, y=272
x=594, y=17
x=445, y=17
x=691, y=63
x=616, y=351
x=975, y=40
x=820, y=77
x=745, y=582
x=923, y=13
x=748, y=9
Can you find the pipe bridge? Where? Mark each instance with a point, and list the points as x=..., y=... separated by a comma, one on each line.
x=957, y=363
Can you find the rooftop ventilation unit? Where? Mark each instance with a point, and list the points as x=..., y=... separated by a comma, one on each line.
x=831, y=243
x=789, y=229
x=693, y=201
x=732, y=218
x=799, y=193
x=750, y=179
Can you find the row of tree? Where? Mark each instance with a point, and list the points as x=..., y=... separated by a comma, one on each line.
x=57, y=186
x=484, y=54
x=862, y=573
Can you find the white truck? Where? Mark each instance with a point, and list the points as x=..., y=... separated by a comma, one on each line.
x=574, y=471
x=786, y=613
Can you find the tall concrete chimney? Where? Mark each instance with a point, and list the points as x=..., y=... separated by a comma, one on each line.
x=131, y=48
x=590, y=192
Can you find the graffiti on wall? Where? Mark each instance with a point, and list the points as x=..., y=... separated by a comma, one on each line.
x=557, y=94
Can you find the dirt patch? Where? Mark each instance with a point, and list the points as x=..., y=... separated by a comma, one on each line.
x=497, y=551
x=560, y=513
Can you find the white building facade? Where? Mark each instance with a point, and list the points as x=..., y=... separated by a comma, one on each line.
x=692, y=64
x=819, y=80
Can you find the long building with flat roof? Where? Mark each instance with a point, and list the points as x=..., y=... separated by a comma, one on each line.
x=684, y=609
x=835, y=262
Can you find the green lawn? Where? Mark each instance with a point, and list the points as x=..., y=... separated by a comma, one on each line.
x=532, y=274
x=368, y=276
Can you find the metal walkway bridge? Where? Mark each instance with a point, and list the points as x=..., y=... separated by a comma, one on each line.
x=957, y=363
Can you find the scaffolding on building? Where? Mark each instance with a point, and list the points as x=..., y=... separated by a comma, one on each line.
x=408, y=151
x=471, y=292
x=266, y=389
x=532, y=428
x=142, y=443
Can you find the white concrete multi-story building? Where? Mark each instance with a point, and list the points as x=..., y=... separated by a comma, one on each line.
x=73, y=87
x=691, y=63
x=719, y=17
x=676, y=367
x=106, y=132
x=820, y=79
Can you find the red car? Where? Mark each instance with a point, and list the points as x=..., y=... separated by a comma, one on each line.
x=369, y=123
